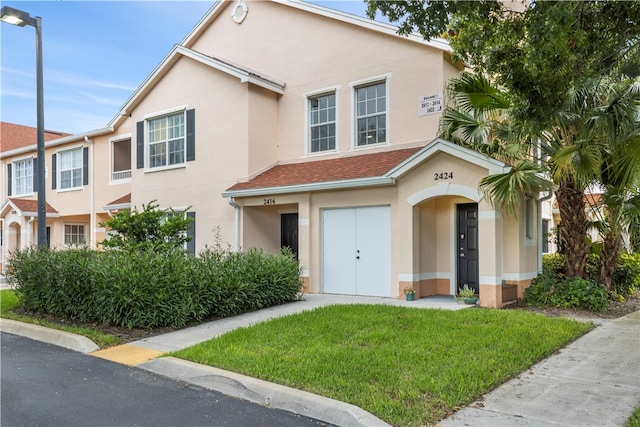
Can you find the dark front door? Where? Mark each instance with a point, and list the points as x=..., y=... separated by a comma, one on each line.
x=467, y=246
x=289, y=232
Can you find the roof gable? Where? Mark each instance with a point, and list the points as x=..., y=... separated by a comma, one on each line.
x=25, y=207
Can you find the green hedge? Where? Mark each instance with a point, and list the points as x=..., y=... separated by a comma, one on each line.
x=147, y=289
x=553, y=288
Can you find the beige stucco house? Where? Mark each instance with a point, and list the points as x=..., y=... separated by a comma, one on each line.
x=282, y=123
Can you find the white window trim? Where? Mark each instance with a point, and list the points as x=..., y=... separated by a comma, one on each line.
x=307, y=125
x=113, y=140
x=59, y=188
x=156, y=115
x=64, y=234
x=353, y=118
x=529, y=216
x=14, y=185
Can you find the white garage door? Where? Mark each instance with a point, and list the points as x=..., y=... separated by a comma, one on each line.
x=357, y=251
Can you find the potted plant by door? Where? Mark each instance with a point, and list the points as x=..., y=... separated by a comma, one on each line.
x=409, y=293
x=467, y=295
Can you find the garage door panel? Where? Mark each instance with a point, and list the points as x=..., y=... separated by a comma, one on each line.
x=374, y=243
x=339, y=274
x=356, y=251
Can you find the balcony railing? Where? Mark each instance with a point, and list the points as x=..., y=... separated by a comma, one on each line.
x=115, y=176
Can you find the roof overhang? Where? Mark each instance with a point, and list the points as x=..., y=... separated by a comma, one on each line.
x=59, y=141
x=438, y=145
x=245, y=75
x=9, y=205
x=316, y=186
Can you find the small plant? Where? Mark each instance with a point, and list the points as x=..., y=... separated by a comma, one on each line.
x=466, y=292
x=409, y=291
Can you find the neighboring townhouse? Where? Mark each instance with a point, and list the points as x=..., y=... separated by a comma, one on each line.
x=78, y=178
x=282, y=123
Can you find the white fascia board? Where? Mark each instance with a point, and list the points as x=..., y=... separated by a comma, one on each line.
x=440, y=145
x=437, y=43
x=241, y=73
x=117, y=207
x=320, y=186
x=213, y=12
x=57, y=141
x=173, y=56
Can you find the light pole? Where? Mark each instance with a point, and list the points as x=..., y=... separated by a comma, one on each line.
x=20, y=18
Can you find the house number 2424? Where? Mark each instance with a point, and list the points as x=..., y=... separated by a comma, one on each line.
x=442, y=176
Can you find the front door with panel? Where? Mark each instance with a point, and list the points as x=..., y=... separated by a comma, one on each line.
x=289, y=232
x=467, y=249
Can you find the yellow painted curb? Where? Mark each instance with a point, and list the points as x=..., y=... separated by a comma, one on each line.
x=127, y=354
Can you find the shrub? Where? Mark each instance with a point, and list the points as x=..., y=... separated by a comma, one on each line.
x=146, y=288
x=627, y=276
x=547, y=290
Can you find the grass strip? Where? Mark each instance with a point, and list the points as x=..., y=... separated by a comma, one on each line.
x=9, y=301
x=407, y=366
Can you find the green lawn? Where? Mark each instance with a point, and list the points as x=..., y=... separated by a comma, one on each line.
x=634, y=421
x=407, y=366
x=9, y=301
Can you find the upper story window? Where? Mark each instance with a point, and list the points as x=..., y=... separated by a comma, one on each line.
x=322, y=123
x=70, y=168
x=166, y=136
x=371, y=114
x=121, y=159
x=166, y=140
x=23, y=177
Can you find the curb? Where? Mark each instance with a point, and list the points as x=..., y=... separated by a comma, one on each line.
x=263, y=393
x=50, y=336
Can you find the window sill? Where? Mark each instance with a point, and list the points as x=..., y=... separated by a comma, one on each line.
x=370, y=146
x=120, y=181
x=19, y=196
x=165, y=168
x=321, y=153
x=67, y=190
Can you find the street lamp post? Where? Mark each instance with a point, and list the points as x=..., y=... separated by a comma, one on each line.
x=20, y=18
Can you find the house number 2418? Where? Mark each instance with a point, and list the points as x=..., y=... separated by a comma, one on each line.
x=442, y=176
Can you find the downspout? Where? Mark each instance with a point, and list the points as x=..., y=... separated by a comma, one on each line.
x=92, y=220
x=30, y=230
x=236, y=246
x=540, y=236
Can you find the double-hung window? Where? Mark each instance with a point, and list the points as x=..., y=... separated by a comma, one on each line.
x=322, y=123
x=74, y=234
x=23, y=177
x=371, y=114
x=166, y=136
x=70, y=168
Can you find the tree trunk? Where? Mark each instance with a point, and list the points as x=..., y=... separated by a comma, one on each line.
x=574, y=227
x=609, y=259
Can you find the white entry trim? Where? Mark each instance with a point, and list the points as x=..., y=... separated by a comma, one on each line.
x=445, y=189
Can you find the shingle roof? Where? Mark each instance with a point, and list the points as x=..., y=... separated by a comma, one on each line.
x=13, y=136
x=27, y=205
x=318, y=171
x=122, y=200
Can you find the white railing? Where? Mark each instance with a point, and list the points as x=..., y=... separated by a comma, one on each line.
x=121, y=175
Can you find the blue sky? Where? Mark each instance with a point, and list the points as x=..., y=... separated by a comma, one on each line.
x=95, y=54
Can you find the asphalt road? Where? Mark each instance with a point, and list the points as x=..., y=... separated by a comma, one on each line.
x=45, y=385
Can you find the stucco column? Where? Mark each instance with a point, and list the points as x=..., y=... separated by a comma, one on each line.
x=405, y=247
x=304, y=240
x=490, y=256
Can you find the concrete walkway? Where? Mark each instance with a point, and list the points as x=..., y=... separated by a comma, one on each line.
x=594, y=381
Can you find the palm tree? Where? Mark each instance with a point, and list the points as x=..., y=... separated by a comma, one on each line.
x=574, y=141
x=618, y=122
